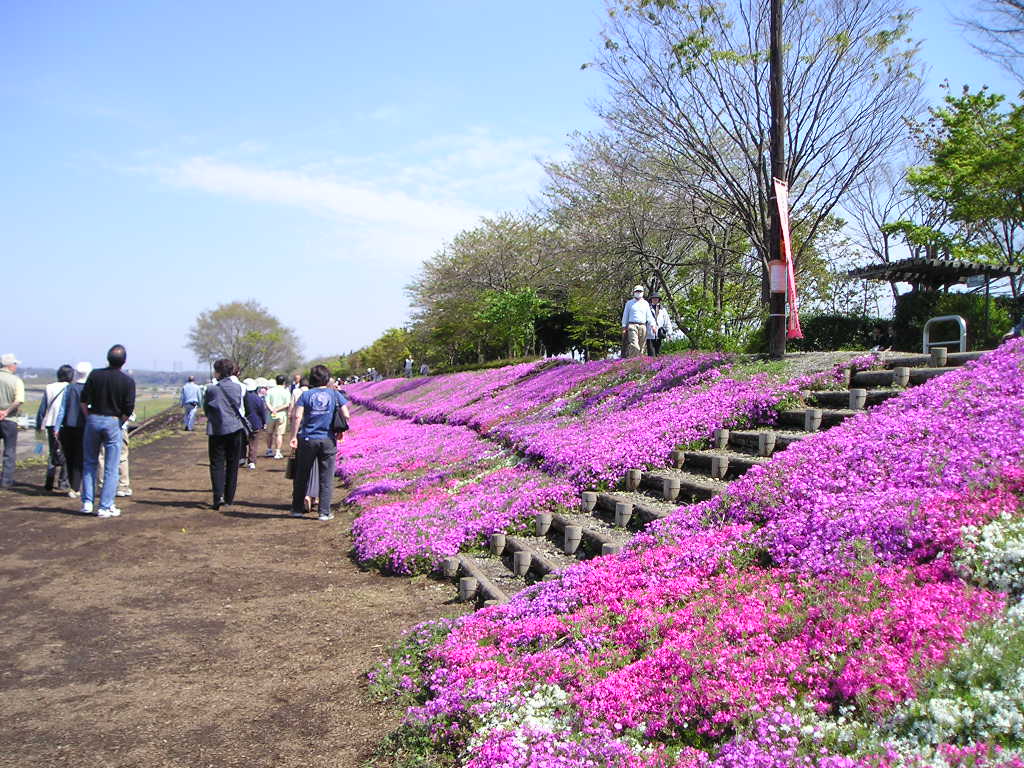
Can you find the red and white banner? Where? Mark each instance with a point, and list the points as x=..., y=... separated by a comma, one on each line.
x=782, y=201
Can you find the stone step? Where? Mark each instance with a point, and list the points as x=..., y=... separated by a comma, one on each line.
x=720, y=464
x=541, y=554
x=815, y=419
x=679, y=485
x=852, y=399
x=921, y=375
x=764, y=442
x=895, y=377
x=478, y=579
x=595, y=534
x=925, y=361
x=641, y=508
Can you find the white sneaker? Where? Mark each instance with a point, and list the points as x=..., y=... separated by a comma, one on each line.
x=126, y=492
x=73, y=494
x=112, y=512
x=278, y=455
x=86, y=508
x=325, y=516
x=252, y=465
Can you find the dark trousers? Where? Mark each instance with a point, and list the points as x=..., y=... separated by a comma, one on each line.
x=654, y=347
x=56, y=473
x=9, y=434
x=320, y=451
x=71, y=440
x=225, y=450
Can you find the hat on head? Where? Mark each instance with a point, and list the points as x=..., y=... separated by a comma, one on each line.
x=9, y=359
x=638, y=288
x=262, y=382
x=249, y=384
x=83, y=370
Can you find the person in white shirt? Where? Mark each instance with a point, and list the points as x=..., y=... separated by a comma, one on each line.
x=662, y=327
x=637, y=321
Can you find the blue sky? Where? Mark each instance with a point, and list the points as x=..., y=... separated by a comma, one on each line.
x=161, y=158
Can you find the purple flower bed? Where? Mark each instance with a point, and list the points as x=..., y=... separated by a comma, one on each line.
x=693, y=649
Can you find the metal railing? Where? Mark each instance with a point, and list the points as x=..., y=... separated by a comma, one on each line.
x=962, y=341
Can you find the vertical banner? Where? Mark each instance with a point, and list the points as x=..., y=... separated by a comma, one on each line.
x=782, y=201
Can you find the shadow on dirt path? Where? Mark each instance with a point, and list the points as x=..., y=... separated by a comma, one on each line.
x=179, y=636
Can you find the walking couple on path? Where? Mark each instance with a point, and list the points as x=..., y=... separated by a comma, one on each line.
x=313, y=436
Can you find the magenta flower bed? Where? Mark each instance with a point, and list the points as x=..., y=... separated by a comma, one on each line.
x=432, y=398
x=414, y=534
x=427, y=491
x=740, y=631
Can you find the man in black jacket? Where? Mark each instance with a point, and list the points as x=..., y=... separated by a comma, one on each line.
x=108, y=400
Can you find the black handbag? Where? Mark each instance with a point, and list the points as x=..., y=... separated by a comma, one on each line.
x=339, y=423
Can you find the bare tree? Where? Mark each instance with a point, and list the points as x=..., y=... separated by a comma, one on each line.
x=997, y=27
x=690, y=81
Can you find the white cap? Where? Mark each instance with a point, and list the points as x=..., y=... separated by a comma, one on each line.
x=9, y=359
x=638, y=288
x=249, y=384
x=83, y=370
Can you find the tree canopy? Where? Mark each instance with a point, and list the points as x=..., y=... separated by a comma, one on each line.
x=246, y=333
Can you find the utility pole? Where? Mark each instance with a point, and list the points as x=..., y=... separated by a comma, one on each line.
x=777, y=134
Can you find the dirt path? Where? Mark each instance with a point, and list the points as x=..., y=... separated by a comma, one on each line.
x=179, y=636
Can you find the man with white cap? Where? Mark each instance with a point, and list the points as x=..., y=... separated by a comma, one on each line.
x=12, y=395
x=637, y=320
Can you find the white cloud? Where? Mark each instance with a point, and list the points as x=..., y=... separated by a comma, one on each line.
x=341, y=198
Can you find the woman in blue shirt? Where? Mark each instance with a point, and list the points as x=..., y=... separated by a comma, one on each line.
x=313, y=440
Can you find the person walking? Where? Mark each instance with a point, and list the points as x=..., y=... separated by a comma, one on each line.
x=70, y=429
x=662, y=327
x=12, y=395
x=46, y=418
x=108, y=400
x=408, y=367
x=314, y=441
x=223, y=408
x=278, y=402
x=191, y=396
x=257, y=414
x=637, y=322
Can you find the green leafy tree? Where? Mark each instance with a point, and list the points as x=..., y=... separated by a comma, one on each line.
x=975, y=145
x=510, y=318
x=387, y=354
x=246, y=333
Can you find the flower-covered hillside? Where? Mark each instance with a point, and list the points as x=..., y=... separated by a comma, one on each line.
x=589, y=422
x=854, y=603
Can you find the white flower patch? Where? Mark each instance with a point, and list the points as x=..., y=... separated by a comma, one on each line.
x=993, y=555
x=979, y=695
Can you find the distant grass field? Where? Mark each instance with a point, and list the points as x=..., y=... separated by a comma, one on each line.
x=151, y=406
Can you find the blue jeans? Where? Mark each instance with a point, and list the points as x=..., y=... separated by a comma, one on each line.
x=190, y=415
x=102, y=431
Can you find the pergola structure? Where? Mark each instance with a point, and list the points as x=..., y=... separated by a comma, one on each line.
x=926, y=274
x=932, y=274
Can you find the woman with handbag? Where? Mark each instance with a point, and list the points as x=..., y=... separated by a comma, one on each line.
x=662, y=327
x=321, y=414
x=226, y=430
